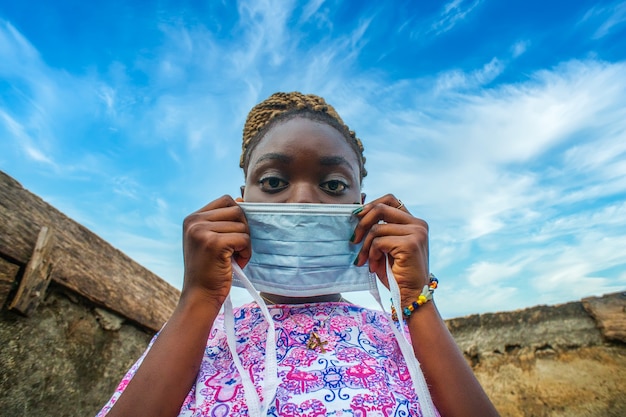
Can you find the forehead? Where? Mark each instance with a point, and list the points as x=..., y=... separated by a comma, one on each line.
x=302, y=135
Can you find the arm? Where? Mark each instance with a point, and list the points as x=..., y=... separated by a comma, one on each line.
x=388, y=229
x=212, y=237
x=453, y=386
x=169, y=369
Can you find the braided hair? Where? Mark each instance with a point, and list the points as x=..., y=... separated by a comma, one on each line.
x=284, y=106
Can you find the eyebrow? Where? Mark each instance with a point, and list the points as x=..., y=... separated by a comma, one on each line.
x=334, y=160
x=281, y=157
x=324, y=160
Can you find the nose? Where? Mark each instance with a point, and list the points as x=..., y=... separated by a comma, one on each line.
x=303, y=193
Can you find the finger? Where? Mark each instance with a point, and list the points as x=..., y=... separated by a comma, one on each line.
x=378, y=263
x=223, y=201
x=391, y=201
x=205, y=244
x=379, y=252
x=227, y=214
x=408, y=240
x=373, y=214
x=214, y=236
x=236, y=243
x=396, y=203
x=223, y=226
x=406, y=256
x=243, y=252
x=400, y=249
x=379, y=230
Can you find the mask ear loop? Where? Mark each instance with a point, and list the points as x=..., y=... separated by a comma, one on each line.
x=270, y=380
x=403, y=339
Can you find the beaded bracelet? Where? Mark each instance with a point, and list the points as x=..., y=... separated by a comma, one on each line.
x=424, y=297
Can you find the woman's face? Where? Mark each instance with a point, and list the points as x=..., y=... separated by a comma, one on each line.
x=303, y=161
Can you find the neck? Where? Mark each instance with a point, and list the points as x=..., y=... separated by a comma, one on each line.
x=280, y=299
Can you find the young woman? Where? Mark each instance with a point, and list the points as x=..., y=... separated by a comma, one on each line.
x=296, y=149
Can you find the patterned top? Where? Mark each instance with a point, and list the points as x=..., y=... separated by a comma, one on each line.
x=334, y=359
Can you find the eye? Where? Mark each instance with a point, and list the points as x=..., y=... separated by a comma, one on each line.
x=334, y=186
x=272, y=184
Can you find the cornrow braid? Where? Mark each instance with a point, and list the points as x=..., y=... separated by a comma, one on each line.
x=283, y=106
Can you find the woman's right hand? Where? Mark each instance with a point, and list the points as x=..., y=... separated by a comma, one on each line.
x=212, y=236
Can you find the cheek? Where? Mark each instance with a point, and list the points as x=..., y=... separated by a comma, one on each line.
x=355, y=196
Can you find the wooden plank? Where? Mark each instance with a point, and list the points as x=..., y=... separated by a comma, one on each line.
x=36, y=277
x=83, y=262
x=17, y=234
x=8, y=274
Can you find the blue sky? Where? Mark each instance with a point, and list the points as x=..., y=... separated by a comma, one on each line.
x=503, y=124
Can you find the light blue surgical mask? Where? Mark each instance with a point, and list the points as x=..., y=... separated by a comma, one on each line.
x=304, y=250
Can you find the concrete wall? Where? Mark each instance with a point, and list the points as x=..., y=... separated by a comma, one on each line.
x=66, y=358
x=548, y=361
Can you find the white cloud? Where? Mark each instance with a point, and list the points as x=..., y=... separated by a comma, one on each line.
x=37, y=155
x=45, y=109
x=23, y=141
x=107, y=95
x=453, y=12
x=454, y=300
x=510, y=124
x=577, y=270
x=458, y=80
x=310, y=9
x=502, y=169
x=602, y=154
x=610, y=17
x=518, y=180
x=557, y=273
x=19, y=55
x=486, y=274
x=266, y=26
x=519, y=48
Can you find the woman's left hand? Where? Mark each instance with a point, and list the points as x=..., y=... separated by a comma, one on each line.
x=387, y=228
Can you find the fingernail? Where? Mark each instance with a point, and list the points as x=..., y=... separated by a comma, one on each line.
x=356, y=260
x=358, y=210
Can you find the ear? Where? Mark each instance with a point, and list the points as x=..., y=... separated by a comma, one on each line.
x=363, y=198
x=243, y=190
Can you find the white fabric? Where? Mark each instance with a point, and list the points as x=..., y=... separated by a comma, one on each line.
x=270, y=382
